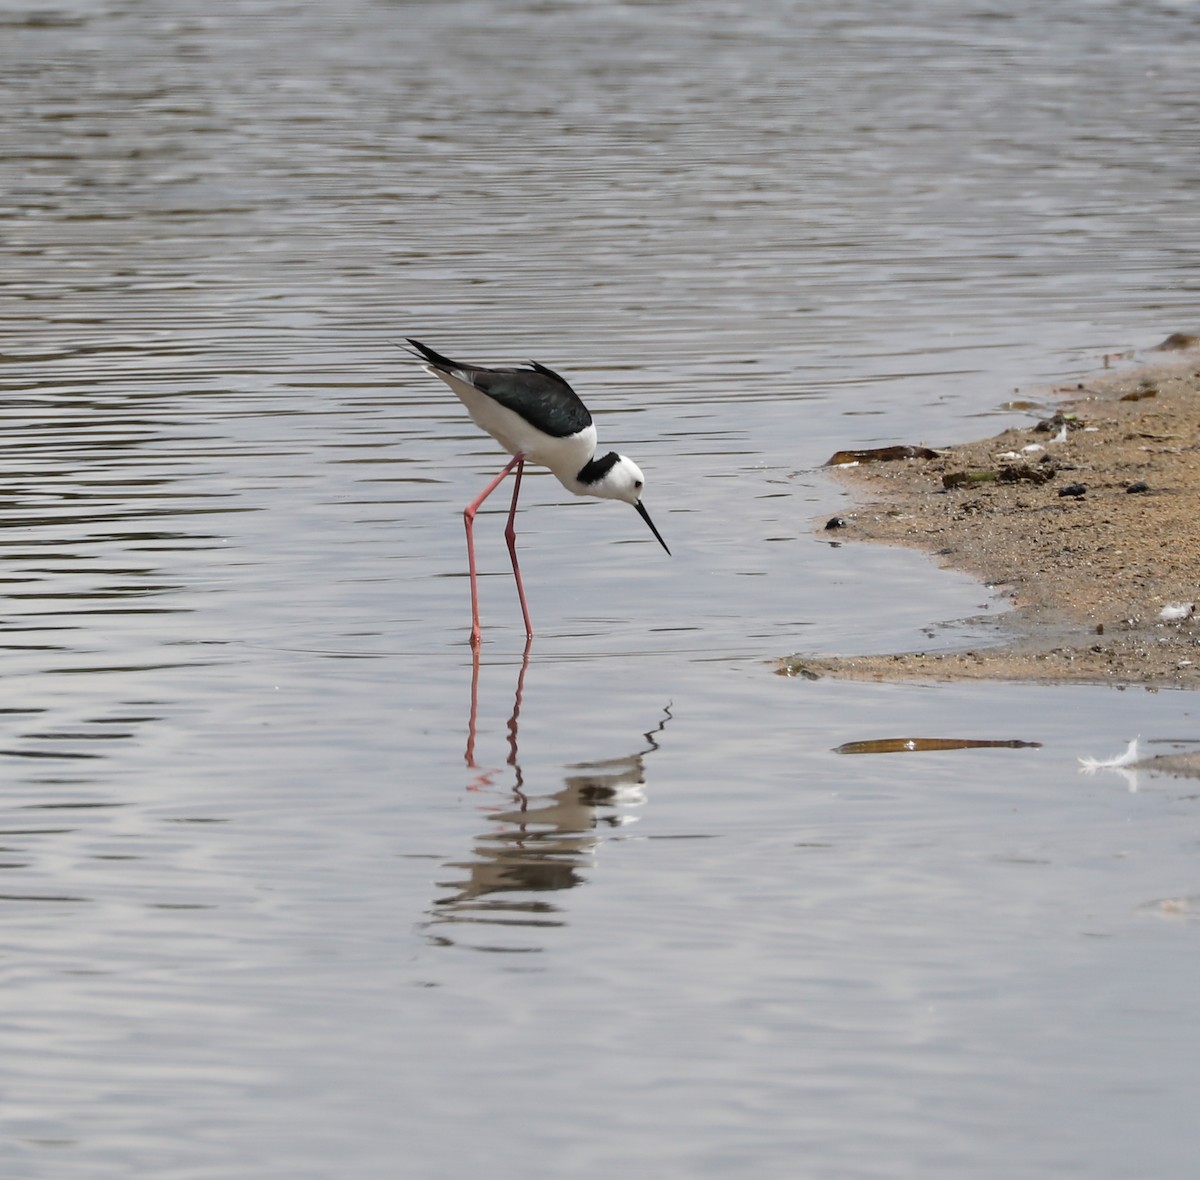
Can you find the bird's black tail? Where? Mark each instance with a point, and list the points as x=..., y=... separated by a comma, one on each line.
x=434, y=358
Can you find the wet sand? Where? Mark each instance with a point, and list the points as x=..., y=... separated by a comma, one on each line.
x=1088, y=572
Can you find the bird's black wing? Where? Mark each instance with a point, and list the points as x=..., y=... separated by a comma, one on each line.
x=541, y=397
x=538, y=394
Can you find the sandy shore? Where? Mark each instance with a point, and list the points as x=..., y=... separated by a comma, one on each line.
x=1091, y=536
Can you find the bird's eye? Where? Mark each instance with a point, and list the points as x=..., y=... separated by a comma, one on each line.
x=637, y=483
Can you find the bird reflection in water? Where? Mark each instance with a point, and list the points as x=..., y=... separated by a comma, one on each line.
x=537, y=843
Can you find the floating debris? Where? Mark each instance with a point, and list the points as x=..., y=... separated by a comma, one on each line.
x=923, y=745
x=881, y=455
x=1025, y=406
x=1091, y=765
x=1173, y=612
x=1173, y=908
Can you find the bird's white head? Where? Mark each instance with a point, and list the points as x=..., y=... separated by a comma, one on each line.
x=622, y=479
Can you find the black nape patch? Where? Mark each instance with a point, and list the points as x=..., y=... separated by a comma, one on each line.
x=594, y=470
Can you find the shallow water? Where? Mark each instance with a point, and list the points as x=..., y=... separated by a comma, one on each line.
x=293, y=889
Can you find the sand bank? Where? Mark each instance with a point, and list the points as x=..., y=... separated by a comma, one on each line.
x=1091, y=537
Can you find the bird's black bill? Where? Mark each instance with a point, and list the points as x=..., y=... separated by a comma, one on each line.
x=646, y=517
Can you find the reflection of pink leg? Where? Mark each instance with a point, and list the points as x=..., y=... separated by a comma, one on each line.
x=473, y=716
x=484, y=778
x=510, y=535
x=469, y=519
x=516, y=713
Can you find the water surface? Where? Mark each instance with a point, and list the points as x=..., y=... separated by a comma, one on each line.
x=290, y=886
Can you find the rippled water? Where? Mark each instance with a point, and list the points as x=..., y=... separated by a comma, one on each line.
x=290, y=888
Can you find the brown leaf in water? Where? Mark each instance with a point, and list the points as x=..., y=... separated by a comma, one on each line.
x=910, y=745
x=880, y=455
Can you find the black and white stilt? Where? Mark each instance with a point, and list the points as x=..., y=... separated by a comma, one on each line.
x=537, y=417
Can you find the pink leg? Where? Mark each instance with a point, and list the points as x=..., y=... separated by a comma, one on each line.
x=510, y=535
x=469, y=519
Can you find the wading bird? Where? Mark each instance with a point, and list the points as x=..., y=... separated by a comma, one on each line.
x=536, y=416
